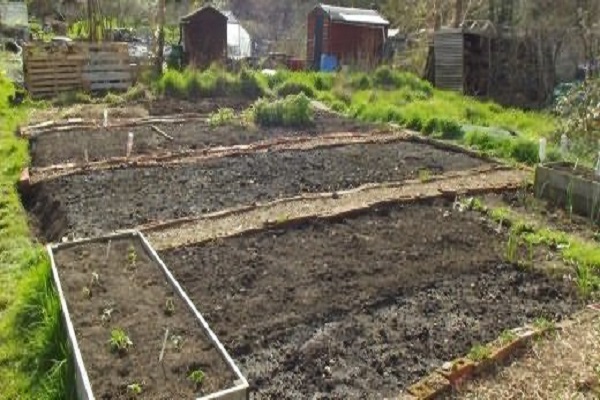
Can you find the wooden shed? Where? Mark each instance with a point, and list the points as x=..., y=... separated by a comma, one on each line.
x=463, y=57
x=204, y=37
x=351, y=35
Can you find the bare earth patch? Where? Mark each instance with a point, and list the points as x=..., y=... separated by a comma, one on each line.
x=563, y=367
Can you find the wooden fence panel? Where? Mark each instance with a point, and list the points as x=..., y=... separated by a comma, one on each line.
x=51, y=69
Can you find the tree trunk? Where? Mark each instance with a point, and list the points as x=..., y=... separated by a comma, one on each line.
x=161, y=37
x=458, y=13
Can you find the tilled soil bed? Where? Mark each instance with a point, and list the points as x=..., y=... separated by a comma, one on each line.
x=167, y=106
x=102, y=143
x=360, y=307
x=94, y=202
x=126, y=291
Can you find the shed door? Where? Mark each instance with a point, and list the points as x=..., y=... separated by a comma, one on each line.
x=318, y=41
x=449, y=59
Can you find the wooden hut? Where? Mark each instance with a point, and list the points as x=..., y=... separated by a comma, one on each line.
x=204, y=37
x=349, y=35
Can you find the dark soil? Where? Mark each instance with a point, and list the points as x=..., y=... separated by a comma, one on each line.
x=90, y=203
x=102, y=143
x=361, y=307
x=167, y=106
x=580, y=171
x=137, y=295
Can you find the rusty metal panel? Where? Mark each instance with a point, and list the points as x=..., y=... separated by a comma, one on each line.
x=449, y=59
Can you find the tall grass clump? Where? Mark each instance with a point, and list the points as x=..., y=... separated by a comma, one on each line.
x=191, y=84
x=292, y=111
x=33, y=356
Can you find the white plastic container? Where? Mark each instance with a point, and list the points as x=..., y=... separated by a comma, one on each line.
x=564, y=145
x=542, y=151
x=129, y=144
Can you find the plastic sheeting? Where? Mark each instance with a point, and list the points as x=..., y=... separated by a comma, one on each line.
x=239, y=43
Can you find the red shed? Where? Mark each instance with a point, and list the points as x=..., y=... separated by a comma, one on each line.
x=352, y=35
x=204, y=37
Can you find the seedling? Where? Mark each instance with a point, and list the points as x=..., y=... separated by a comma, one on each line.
x=131, y=256
x=512, y=247
x=106, y=315
x=119, y=341
x=170, y=307
x=87, y=293
x=177, y=342
x=479, y=353
x=424, y=175
x=95, y=280
x=134, y=390
x=197, y=377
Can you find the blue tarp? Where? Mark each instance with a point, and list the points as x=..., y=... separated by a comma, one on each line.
x=328, y=63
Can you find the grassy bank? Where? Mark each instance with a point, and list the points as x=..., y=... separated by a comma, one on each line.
x=32, y=351
x=385, y=96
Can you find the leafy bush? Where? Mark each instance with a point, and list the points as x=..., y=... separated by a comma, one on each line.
x=361, y=82
x=251, y=85
x=224, y=116
x=384, y=76
x=294, y=110
x=292, y=88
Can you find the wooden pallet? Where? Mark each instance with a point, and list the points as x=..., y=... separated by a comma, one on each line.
x=51, y=69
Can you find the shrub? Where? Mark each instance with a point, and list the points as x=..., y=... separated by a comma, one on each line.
x=224, y=116
x=361, y=82
x=251, y=85
x=384, y=76
x=173, y=84
x=294, y=110
x=525, y=151
x=323, y=83
x=293, y=88
x=450, y=130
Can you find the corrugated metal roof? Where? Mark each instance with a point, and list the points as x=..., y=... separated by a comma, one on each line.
x=13, y=14
x=354, y=15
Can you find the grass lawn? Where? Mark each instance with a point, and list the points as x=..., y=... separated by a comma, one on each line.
x=32, y=348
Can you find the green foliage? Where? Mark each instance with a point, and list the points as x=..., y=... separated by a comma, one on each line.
x=119, y=341
x=224, y=116
x=197, y=377
x=292, y=88
x=291, y=111
x=33, y=354
x=192, y=84
x=479, y=353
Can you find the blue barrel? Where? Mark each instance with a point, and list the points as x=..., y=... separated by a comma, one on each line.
x=328, y=63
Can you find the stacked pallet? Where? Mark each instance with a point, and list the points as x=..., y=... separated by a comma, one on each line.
x=54, y=68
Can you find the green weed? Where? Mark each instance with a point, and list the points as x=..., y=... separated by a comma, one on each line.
x=119, y=341
x=134, y=390
x=291, y=111
x=507, y=336
x=544, y=324
x=479, y=353
x=223, y=117
x=197, y=377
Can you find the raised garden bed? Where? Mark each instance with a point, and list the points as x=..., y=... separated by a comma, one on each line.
x=364, y=304
x=91, y=203
x=133, y=331
x=574, y=187
x=73, y=146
